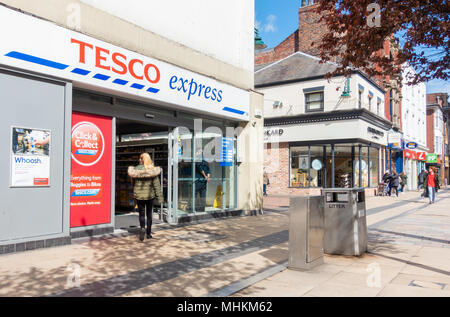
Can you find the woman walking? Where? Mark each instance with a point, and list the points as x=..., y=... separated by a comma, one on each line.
x=147, y=191
x=395, y=182
x=431, y=185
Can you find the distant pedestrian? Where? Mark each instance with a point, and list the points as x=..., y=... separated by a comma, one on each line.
x=422, y=177
x=266, y=182
x=403, y=181
x=387, y=177
x=431, y=185
x=395, y=183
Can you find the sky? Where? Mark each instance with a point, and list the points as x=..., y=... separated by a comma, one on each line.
x=277, y=19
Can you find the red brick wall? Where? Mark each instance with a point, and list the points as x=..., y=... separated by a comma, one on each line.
x=284, y=49
x=276, y=163
x=310, y=30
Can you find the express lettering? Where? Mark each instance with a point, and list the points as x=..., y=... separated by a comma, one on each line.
x=192, y=88
x=118, y=63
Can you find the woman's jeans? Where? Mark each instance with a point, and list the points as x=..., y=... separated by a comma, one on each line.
x=142, y=206
x=431, y=194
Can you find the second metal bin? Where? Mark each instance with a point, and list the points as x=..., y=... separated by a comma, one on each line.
x=345, y=221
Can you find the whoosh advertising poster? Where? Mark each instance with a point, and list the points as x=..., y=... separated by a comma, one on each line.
x=30, y=157
x=90, y=186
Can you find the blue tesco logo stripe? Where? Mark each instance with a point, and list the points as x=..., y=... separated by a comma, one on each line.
x=137, y=86
x=120, y=82
x=101, y=77
x=36, y=60
x=76, y=70
x=153, y=90
x=232, y=110
x=80, y=71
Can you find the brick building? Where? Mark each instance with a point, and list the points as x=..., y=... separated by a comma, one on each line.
x=306, y=39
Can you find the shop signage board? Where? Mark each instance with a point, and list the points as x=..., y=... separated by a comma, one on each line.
x=46, y=48
x=90, y=184
x=432, y=158
x=339, y=130
x=395, y=140
x=227, y=152
x=421, y=156
x=411, y=154
x=411, y=145
x=30, y=157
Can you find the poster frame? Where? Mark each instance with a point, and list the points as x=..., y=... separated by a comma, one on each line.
x=11, y=154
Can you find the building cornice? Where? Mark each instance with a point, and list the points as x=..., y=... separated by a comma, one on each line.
x=339, y=115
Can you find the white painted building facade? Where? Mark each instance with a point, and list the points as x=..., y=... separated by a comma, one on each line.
x=322, y=133
x=414, y=124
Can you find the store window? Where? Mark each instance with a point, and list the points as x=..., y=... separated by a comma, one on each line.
x=317, y=166
x=361, y=166
x=314, y=99
x=299, y=167
x=343, y=166
x=374, y=167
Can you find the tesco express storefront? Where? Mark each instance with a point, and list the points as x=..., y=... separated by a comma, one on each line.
x=64, y=97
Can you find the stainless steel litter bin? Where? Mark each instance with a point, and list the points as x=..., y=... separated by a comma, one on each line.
x=345, y=221
x=306, y=231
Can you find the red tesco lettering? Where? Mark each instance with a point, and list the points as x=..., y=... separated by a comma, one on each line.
x=118, y=63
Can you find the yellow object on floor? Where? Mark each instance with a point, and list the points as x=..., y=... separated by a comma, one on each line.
x=218, y=198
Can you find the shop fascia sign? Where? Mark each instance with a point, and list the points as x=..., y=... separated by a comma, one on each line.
x=46, y=48
x=395, y=140
x=432, y=158
x=273, y=132
x=413, y=155
x=374, y=133
x=411, y=145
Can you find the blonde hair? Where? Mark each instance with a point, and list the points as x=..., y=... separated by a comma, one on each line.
x=146, y=160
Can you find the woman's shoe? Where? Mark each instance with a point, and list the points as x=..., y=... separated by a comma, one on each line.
x=142, y=234
x=149, y=236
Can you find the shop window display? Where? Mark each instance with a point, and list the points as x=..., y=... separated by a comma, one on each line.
x=374, y=166
x=299, y=167
x=316, y=166
x=364, y=180
x=343, y=166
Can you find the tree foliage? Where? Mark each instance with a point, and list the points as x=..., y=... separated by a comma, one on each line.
x=419, y=28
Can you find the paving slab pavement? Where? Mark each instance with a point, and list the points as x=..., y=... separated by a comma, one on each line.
x=243, y=257
x=408, y=256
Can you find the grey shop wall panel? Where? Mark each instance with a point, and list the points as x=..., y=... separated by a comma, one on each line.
x=31, y=102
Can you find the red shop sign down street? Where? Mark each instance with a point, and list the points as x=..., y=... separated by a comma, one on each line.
x=420, y=156
x=90, y=185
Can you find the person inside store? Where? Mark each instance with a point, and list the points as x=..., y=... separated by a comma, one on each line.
x=202, y=178
x=395, y=183
x=431, y=185
x=147, y=191
x=403, y=181
x=422, y=177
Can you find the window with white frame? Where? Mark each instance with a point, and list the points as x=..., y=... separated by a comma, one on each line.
x=314, y=99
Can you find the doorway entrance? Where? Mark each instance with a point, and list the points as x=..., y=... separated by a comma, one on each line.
x=133, y=139
x=196, y=179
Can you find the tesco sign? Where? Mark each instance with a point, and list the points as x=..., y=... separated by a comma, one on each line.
x=46, y=48
x=118, y=63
